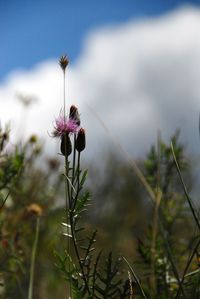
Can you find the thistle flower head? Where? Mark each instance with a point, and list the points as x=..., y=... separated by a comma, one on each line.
x=64, y=125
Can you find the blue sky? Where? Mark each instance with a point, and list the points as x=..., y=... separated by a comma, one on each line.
x=144, y=55
x=33, y=31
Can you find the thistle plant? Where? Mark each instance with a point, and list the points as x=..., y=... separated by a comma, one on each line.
x=80, y=265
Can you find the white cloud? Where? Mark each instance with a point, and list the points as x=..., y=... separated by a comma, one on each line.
x=139, y=77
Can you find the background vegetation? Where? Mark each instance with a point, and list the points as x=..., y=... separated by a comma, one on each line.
x=128, y=223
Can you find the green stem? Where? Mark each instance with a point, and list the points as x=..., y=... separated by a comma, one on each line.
x=77, y=253
x=68, y=207
x=32, y=268
x=67, y=188
x=71, y=218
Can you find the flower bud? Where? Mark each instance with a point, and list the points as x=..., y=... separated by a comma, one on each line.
x=66, y=146
x=74, y=114
x=63, y=62
x=80, y=140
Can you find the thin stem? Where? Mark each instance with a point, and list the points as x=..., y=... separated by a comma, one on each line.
x=64, y=98
x=32, y=268
x=71, y=218
x=77, y=252
x=67, y=189
x=68, y=204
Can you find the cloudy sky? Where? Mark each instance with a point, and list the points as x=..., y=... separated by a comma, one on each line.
x=133, y=65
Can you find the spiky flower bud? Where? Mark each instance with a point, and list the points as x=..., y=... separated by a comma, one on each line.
x=66, y=146
x=80, y=140
x=74, y=114
x=64, y=61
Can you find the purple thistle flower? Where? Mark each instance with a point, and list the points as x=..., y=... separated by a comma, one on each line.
x=64, y=125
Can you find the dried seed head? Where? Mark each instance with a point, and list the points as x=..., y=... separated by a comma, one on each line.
x=80, y=140
x=74, y=114
x=66, y=146
x=64, y=61
x=35, y=209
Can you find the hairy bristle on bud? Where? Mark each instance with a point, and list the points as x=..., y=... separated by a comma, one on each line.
x=64, y=61
x=74, y=114
x=73, y=111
